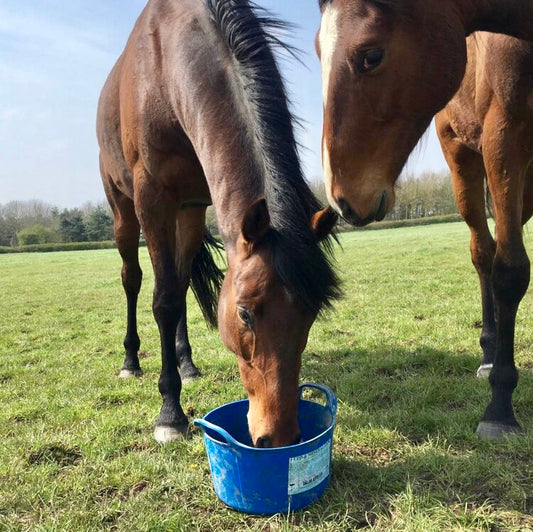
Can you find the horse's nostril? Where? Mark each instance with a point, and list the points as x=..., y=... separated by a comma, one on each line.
x=263, y=442
x=347, y=212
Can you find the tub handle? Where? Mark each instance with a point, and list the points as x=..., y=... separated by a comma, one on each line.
x=229, y=439
x=331, y=400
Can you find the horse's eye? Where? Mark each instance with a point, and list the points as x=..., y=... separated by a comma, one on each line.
x=369, y=60
x=246, y=316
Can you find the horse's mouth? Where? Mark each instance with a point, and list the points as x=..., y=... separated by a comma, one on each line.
x=265, y=442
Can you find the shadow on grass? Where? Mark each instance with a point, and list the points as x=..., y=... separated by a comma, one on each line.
x=406, y=426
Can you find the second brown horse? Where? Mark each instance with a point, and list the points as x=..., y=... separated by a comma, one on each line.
x=193, y=113
x=388, y=66
x=486, y=133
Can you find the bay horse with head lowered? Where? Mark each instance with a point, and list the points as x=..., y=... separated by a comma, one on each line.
x=193, y=113
x=388, y=67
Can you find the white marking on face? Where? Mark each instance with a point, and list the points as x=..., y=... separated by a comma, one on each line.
x=328, y=176
x=327, y=39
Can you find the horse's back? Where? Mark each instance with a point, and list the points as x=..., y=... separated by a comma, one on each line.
x=499, y=68
x=507, y=66
x=137, y=120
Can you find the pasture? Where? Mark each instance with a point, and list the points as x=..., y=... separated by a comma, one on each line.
x=400, y=351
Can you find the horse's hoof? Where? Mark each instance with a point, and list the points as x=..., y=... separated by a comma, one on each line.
x=189, y=374
x=496, y=431
x=484, y=371
x=129, y=373
x=167, y=434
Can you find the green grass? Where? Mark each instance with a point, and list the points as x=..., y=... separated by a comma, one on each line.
x=401, y=350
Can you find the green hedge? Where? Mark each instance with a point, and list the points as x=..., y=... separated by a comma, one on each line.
x=389, y=224
x=60, y=246
x=343, y=227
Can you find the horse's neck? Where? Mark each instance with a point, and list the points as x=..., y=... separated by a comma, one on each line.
x=207, y=103
x=234, y=177
x=228, y=155
x=510, y=17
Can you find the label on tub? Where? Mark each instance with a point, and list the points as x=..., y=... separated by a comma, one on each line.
x=309, y=470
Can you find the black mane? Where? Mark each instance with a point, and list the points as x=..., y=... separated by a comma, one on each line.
x=301, y=263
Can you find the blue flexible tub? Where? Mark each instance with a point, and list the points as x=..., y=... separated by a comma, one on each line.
x=269, y=481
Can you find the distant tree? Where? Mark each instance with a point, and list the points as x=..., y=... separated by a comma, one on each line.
x=71, y=226
x=36, y=234
x=428, y=194
x=98, y=225
x=18, y=215
x=8, y=230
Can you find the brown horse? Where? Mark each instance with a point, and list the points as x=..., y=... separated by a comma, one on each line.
x=193, y=113
x=388, y=67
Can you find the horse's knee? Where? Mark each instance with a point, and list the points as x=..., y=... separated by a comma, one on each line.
x=510, y=280
x=167, y=306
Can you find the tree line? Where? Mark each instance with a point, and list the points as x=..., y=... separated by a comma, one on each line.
x=36, y=222
x=425, y=195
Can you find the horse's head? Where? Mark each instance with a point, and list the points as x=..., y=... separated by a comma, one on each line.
x=266, y=326
x=387, y=67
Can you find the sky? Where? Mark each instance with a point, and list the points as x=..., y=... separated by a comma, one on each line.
x=54, y=58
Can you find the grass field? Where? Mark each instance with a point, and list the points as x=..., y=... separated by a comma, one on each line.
x=401, y=351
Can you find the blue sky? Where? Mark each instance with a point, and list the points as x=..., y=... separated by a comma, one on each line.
x=54, y=58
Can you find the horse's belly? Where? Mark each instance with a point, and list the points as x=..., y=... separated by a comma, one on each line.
x=180, y=176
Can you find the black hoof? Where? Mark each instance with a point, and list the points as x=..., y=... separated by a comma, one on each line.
x=189, y=373
x=488, y=430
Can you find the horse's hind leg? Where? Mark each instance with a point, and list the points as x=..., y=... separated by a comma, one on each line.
x=468, y=175
x=188, y=371
x=126, y=230
x=506, y=169
x=190, y=230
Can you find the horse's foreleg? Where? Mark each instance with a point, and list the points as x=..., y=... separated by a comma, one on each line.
x=158, y=222
x=510, y=274
x=468, y=176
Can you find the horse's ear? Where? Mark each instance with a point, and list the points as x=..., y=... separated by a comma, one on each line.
x=323, y=222
x=256, y=221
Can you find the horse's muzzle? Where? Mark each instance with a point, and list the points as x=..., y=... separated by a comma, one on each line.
x=265, y=442
x=353, y=218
